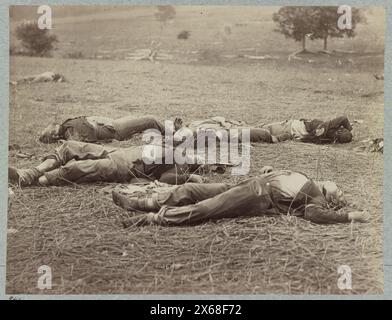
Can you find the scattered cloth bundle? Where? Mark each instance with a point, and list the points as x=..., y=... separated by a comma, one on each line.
x=371, y=145
x=139, y=189
x=215, y=123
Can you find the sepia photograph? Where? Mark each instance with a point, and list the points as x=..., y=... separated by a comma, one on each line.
x=209, y=150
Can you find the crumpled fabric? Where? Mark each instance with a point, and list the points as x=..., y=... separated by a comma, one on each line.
x=371, y=145
x=140, y=188
x=215, y=123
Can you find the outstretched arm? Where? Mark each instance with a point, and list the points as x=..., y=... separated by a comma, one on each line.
x=319, y=214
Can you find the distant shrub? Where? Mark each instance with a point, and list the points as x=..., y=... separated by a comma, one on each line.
x=18, y=51
x=227, y=30
x=37, y=42
x=75, y=55
x=165, y=13
x=209, y=55
x=184, y=35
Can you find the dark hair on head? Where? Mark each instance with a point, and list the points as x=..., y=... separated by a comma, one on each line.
x=344, y=135
x=58, y=76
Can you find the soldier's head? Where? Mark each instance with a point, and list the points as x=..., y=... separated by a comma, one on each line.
x=333, y=194
x=342, y=135
x=58, y=77
x=50, y=134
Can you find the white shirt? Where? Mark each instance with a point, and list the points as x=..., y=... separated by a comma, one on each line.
x=298, y=129
x=286, y=183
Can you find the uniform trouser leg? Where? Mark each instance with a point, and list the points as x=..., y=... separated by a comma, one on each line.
x=127, y=127
x=81, y=162
x=191, y=193
x=260, y=135
x=104, y=170
x=244, y=199
x=68, y=151
x=185, y=194
x=338, y=122
x=75, y=150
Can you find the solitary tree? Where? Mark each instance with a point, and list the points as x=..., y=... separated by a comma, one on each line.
x=299, y=23
x=37, y=41
x=165, y=13
x=327, y=26
x=295, y=22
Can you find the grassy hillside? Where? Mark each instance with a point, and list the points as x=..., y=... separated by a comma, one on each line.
x=115, y=31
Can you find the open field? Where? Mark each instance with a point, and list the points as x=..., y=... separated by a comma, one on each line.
x=75, y=229
x=114, y=32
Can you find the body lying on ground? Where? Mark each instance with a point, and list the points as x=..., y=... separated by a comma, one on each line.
x=218, y=125
x=94, y=128
x=337, y=130
x=272, y=192
x=81, y=162
x=42, y=77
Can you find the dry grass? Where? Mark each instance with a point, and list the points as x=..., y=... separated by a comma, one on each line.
x=75, y=229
